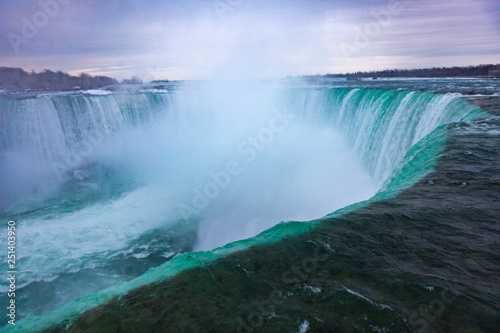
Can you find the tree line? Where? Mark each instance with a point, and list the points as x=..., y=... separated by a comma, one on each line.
x=19, y=79
x=468, y=71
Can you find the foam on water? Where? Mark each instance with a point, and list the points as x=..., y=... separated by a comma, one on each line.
x=237, y=159
x=70, y=242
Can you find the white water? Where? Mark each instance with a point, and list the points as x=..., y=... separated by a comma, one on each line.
x=236, y=159
x=287, y=169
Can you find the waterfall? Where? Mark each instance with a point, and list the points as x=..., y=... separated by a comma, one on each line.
x=254, y=156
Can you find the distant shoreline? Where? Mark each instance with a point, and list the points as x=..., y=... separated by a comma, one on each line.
x=19, y=80
x=481, y=72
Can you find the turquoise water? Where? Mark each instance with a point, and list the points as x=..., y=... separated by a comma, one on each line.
x=114, y=169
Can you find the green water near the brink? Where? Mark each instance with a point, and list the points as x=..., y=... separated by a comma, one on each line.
x=395, y=136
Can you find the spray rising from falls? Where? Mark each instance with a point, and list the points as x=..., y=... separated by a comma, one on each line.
x=116, y=171
x=56, y=133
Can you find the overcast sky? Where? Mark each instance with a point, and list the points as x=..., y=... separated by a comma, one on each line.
x=193, y=39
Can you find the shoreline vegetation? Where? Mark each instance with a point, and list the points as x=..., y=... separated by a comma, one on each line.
x=17, y=79
x=481, y=71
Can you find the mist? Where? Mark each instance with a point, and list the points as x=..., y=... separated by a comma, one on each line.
x=234, y=157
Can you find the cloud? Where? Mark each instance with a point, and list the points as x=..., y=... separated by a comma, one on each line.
x=194, y=40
